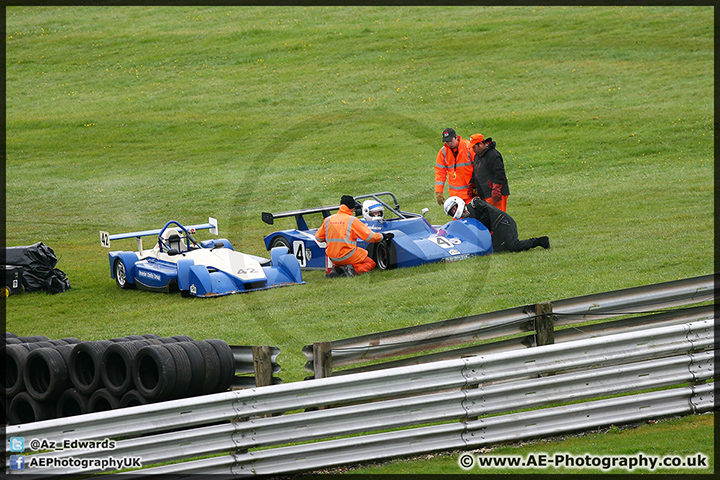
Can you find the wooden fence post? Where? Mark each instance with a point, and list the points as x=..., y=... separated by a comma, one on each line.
x=262, y=363
x=322, y=359
x=544, y=326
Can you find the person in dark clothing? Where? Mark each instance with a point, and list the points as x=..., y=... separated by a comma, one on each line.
x=489, y=176
x=501, y=225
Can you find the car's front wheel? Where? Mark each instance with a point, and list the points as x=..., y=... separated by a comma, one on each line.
x=121, y=275
x=382, y=255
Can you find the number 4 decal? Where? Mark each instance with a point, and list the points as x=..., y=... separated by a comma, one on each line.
x=299, y=252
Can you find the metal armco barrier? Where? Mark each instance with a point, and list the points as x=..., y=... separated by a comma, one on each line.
x=258, y=360
x=324, y=357
x=674, y=317
x=452, y=436
x=459, y=391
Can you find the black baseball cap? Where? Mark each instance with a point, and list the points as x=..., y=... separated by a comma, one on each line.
x=348, y=201
x=449, y=134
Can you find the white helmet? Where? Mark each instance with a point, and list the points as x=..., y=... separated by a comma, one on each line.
x=454, y=206
x=372, y=210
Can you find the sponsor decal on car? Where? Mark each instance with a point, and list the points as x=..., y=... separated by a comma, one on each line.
x=150, y=275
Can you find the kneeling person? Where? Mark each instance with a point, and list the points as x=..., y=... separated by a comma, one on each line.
x=341, y=233
x=501, y=225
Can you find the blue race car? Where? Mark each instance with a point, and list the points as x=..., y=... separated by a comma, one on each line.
x=416, y=242
x=202, y=269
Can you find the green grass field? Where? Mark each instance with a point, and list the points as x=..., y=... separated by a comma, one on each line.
x=122, y=118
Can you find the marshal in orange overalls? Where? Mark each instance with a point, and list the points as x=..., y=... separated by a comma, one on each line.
x=341, y=232
x=456, y=170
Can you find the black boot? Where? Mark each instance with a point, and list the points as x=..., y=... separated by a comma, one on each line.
x=334, y=273
x=543, y=242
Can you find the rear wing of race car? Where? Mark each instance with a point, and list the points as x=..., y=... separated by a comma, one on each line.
x=105, y=237
x=269, y=218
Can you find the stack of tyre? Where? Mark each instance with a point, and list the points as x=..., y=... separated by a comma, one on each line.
x=47, y=379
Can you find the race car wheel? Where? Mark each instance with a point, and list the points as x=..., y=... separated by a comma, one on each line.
x=382, y=256
x=121, y=275
x=280, y=242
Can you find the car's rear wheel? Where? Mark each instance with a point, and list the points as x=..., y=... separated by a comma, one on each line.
x=121, y=275
x=280, y=242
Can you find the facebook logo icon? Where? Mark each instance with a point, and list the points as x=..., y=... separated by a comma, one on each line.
x=17, y=444
x=17, y=462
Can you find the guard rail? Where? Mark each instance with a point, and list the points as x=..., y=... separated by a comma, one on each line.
x=460, y=392
x=323, y=358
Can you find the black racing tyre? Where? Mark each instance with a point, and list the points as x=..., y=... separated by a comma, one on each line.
x=383, y=255
x=151, y=336
x=182, y=338
x=102, y=400
x=132, y=398
x=71, y=403
x=121, y=275
x=25, y=409
x=14, y=379
x=12, y=341
x=182, y=369
x=34, y=338
x=130, y=338
x=154, y=372
x=42, y=344
x=280, y=241
x=212, y=366
x=117, y=366
x=71, y=340
x=227, y=364
x=46, y=375
x=197, y=367
x=10, y=335
x=66, y=351
x=85, y=365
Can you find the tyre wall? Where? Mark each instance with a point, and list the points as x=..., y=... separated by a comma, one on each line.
x=47, y=378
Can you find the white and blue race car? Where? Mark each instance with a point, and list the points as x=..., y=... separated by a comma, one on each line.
x=208, y=268
x=415, y=240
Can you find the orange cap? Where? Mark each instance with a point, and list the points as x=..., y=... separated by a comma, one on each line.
x=476, y=138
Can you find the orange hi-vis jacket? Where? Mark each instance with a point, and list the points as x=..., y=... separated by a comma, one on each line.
x=458, y=171
x=341, y=232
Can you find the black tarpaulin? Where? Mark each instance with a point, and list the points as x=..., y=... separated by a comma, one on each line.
x=39, y=272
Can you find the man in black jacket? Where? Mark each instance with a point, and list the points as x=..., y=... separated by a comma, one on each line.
x=501, y=225
x=489, y=177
